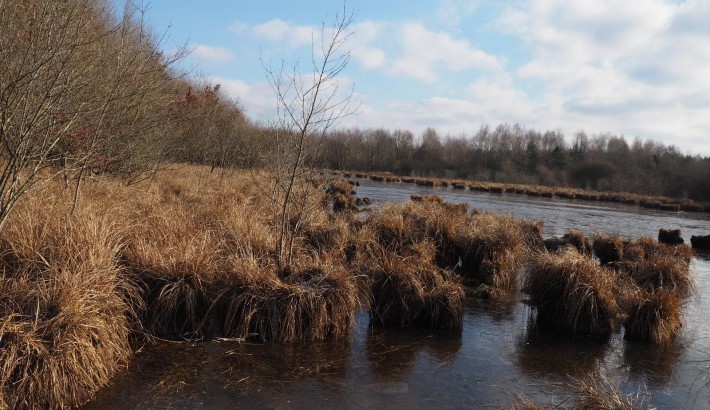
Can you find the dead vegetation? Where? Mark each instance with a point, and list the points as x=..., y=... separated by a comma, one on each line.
x=570, y=292
x=192, y=256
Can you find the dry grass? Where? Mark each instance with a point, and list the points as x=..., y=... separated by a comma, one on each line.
x=306, y=304
x=599, y=392
x=608, y=248
x=654, y=317
x=407, y=291
x=670, y=236
x=66, y=310
x=595, y=391
x=485, y=248
x=572, y=293
x=573, y=238
x=653, y=265
x=701, y=242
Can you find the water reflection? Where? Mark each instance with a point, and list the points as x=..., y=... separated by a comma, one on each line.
x=553, y=356
x=499, y=311
x=654, y=365
x=392, y=353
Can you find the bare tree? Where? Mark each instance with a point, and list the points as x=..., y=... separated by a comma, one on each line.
x=78, y=91
x=308, y=105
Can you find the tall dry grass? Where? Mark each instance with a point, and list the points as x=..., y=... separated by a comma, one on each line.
x=409, y=291
x=485, y=248
x=571, y=292
x=66, y=307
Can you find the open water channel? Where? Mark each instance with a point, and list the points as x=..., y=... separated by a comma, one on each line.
x=496, y=356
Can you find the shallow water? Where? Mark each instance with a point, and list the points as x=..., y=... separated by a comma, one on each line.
x=497, y=355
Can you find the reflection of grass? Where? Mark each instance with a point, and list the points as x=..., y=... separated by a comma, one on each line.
x=392, y=353
x=653, y=363
x=572, y=356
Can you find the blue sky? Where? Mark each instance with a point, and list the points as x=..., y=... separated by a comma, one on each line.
x=634, y=68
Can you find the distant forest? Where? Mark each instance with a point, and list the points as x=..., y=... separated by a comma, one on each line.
x=515, y=154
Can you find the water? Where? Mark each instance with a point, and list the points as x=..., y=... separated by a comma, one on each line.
x=497, y=355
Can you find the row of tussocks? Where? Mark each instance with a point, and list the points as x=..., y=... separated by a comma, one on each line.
x=596, y=287
x=651, y=202
x=192, y=257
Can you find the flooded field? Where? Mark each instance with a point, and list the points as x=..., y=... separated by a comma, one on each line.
x=497, y=354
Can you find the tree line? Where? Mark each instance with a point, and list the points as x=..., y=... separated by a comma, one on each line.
x=515, y=154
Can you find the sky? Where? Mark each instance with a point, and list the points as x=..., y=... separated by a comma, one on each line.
x=637, y=68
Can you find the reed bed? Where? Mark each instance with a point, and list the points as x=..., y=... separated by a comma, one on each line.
x=191, y=255
x=652, y=202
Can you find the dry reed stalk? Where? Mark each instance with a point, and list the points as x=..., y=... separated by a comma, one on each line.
x=572, y=293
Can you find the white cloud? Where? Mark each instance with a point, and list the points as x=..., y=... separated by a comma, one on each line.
x=636, y=67
x=452, y=12
x=257, y=99
x=280, y=31
x=212, y=55
x=411, y=50
x=365, y=49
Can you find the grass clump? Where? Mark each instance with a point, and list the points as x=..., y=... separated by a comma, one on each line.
x=407, y=291
x=306, y=304
x=654, y=317
x=66, y=310
x=485, y=248
x=573, y=238
x=570, y=292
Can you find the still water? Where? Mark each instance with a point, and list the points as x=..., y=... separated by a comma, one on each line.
x=496, y=356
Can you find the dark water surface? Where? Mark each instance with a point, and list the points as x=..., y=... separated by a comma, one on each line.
x=497, y=355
